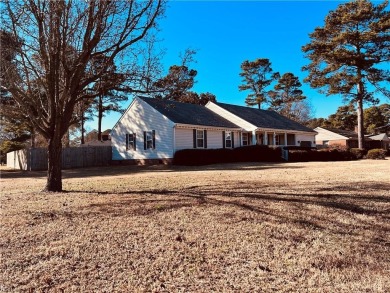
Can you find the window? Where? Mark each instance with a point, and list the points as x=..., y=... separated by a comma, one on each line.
x=245, y=139
x=199, y=139
x=130, y=141
x=149, y=140
x=228, y=139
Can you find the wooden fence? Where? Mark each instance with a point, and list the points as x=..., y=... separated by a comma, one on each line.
x=76, y=157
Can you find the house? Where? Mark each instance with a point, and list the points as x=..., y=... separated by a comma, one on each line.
x=91, y=138
x=154, y=129
x=381, y=140
x=346, y=138
x=265, y=127
x=336, y=137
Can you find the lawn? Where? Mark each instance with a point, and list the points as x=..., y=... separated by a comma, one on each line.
x=253, y=227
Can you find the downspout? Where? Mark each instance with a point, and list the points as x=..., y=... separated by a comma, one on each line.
x=174, y=141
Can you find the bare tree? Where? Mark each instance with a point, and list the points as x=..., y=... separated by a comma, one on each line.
x=59, y=40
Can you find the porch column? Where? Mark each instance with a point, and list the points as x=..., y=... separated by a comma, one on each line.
x=254, y=142
x=265, y=138
x=274, y=142
x=285, y=139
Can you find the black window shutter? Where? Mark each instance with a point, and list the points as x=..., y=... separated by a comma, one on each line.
x=154, y=138
x=232, y=139
x=144, y=140
x=135, y=141
x=127, y=142
x=194, y=137
x=205, y=138
x=223, y=139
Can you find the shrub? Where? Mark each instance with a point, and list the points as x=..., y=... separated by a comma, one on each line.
x=198, y=157
x=358, y=153
x=257, y=153
x=329, y=154
x=298, y=156
x=376, y=154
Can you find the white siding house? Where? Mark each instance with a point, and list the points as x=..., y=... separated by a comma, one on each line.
x=153, y=129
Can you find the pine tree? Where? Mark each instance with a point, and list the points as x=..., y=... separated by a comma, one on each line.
x=287, y=97
x=350, y=53
x=256, y=77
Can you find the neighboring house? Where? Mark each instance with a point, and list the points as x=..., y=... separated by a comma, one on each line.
x=154, y=129
x=382, y=140
x=346, y=138
x=332, y=137
x=265, y=127
x=91, y=138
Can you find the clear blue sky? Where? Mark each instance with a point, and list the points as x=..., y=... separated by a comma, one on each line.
x=226, y=33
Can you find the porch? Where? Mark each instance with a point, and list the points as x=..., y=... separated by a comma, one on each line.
x=271, y=138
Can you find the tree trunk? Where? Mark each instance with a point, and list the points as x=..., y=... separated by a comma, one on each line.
x=360, y=116
x=100, y=117
x=54, y=174
x=82, y=128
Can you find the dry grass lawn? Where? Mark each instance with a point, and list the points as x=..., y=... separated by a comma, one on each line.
x=296, y=227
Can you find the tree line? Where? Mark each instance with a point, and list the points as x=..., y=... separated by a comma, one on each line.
x=61, y=59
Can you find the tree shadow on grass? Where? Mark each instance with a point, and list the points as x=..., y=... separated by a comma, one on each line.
x=335, y=212
x=135, y=169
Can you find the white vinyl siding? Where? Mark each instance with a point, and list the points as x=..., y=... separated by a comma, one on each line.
x=324, y=134
x=305, y=137
x=138, y=118
x=184, y=139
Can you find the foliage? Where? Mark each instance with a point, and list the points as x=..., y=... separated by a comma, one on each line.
x=179, y=80
x=176, y=85
x=375, y=117
x=344, y=118
x=197, y=157
x=376, y=154
x=350, y=52
x=358, y=153
x=54, y=67
x=288, y=100
x=256, y=76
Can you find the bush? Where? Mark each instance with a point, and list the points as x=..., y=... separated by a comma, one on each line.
x=358, y=153
x=376, y=154
x=257, y=153
x=320, y=155
x=298, y=155
x=198, y=157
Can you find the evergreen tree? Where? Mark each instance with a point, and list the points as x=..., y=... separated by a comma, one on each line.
x=375, y=117
x=350, y=52
x=256, y=76
x=345, y=118
x=176, y=85
x=287, y=98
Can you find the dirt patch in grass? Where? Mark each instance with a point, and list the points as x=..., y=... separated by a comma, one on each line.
x=312, y=227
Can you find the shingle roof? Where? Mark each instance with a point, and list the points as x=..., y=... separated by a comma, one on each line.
x=264, y=118
x=185, y=113
x=346, y=133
